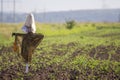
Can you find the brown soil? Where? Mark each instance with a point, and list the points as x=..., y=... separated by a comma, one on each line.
x=57, y=72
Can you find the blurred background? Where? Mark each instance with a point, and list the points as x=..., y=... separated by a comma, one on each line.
x=57, y=11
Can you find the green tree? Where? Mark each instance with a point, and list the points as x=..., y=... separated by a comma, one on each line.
x=70, y=24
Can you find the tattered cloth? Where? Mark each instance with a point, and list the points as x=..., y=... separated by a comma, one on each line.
x=29, y=43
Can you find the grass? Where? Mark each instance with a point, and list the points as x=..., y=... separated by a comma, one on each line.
x=89, y=51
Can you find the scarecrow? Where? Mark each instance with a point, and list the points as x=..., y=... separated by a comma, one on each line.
x=30, y=40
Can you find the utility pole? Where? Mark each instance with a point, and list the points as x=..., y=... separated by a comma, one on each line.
x=1, y=11
x=119, y=17
x=44, y=15
x=104, y=6
x=14, y=10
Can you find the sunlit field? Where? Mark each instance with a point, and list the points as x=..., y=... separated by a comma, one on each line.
x=87, y=51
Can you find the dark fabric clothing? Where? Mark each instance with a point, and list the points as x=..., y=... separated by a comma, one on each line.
x=29, y=43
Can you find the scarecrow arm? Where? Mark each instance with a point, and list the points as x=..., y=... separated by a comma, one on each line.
x=17, y=41
x=37, y=39
x=18, y=34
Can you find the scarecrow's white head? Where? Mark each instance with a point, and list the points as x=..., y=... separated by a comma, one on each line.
x=29, y=25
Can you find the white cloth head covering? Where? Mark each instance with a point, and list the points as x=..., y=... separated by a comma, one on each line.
x=29, y=25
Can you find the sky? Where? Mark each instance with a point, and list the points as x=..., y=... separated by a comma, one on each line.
x=27, y=6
